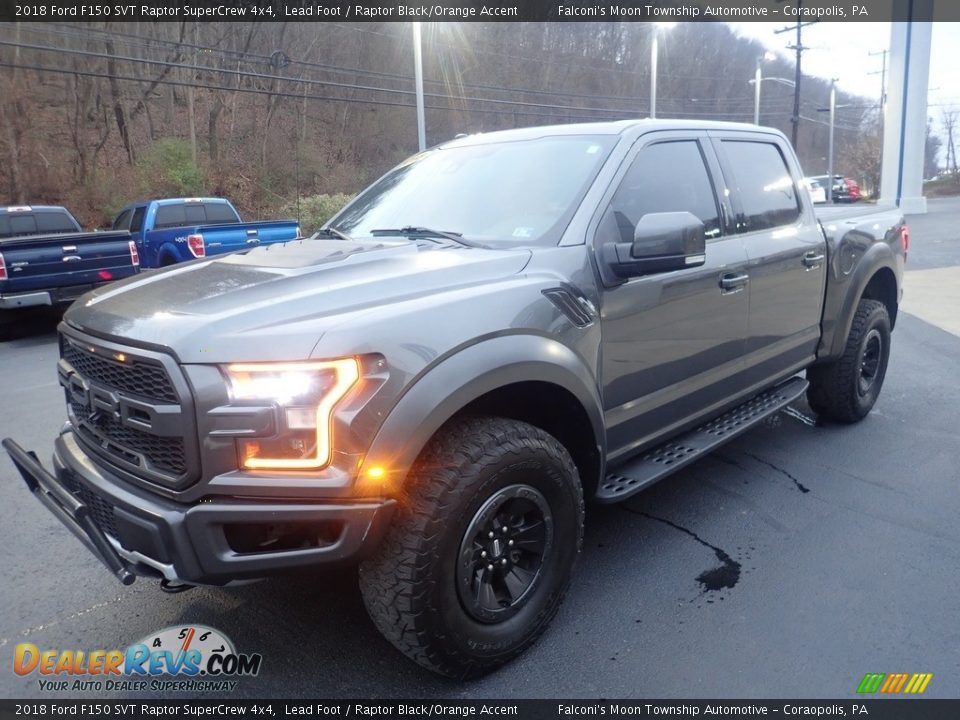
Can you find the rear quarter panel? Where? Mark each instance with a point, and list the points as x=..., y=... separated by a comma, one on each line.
x=860, y=245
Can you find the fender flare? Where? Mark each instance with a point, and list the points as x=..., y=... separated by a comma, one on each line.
x=877, y=258
x=168, y=249
x=446, y=387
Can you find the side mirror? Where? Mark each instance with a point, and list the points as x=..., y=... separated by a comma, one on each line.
x=661, y=242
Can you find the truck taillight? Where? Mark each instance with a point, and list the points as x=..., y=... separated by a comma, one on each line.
x=134, y=254
x=3, y=268
x=197, y=248
x=905, y=238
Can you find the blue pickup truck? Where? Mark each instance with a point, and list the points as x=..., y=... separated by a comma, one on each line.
x=172, y=230
x=47, y=259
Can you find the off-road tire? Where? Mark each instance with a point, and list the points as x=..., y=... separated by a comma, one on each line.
x=837, y=389
x=411, y=585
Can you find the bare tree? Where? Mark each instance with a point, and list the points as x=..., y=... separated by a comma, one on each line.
x=950, y=116
x=12, y=118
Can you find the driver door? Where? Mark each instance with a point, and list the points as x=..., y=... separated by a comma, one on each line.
x=673, y=342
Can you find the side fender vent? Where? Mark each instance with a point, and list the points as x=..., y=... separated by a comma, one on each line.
x=576, y=308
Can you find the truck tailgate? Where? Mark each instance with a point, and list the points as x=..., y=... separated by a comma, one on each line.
x=232, y=237
x=42, y=262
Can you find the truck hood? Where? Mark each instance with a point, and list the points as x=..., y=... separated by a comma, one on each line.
x=275, y=302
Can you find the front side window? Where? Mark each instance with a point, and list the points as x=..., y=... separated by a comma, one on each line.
x=521, y=192
x=123, y=220
x=136, y=224
x=764, y=184
x=665, y=177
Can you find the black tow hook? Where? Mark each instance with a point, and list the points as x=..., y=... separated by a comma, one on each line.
x=173, y=588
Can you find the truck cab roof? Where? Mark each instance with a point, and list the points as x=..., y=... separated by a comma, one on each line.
x=633, y=127
x=29, y=208
x=178, y=200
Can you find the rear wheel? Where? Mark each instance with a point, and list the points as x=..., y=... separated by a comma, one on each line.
x=847, y=389
x=481, y=553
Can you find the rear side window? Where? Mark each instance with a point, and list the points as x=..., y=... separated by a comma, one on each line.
x=220, y=213
x=666, y=177
x=56, y=221
x=169, y=216
x=763, y=183
x=136, y=224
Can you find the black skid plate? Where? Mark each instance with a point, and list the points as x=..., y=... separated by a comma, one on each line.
x=659, y=462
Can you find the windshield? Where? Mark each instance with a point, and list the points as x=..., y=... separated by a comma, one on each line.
x=520, y=193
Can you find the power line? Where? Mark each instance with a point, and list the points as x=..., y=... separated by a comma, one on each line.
x=399, y=77
x=299, y=96
x=308, y=81
x=619, y=112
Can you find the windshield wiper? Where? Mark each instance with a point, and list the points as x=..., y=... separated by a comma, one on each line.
x=417, y=231
x=333, y=232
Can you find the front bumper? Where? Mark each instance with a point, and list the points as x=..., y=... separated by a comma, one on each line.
x=213, y=542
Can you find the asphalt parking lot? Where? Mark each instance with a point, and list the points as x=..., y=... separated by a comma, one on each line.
x=788, y=564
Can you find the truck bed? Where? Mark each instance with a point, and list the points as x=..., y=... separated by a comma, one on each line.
x=837, y=213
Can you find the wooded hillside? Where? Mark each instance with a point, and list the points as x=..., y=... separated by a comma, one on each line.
x=98, y=115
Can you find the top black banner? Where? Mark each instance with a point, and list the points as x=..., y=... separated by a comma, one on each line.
x=497, y=709
x=484, y=11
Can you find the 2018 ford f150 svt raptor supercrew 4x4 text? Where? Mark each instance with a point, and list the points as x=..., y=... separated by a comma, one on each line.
x=496, y=330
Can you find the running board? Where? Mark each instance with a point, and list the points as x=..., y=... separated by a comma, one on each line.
x=656, y=464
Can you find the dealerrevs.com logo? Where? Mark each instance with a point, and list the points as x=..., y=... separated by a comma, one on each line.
x=191, y=658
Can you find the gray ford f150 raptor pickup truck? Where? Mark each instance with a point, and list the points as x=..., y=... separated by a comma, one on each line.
x=496, y=330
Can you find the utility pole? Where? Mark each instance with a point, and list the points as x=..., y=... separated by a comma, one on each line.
x=833, y=122
x=833, y=117
x=418, y=81
x=883, y=78
x=799, y=48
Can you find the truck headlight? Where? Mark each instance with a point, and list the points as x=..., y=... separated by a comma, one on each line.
x=307, y=393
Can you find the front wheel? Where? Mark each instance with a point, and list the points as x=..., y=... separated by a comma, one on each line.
x=847, y=389
x=482, y=551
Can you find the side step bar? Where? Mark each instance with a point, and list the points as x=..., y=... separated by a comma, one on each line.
x=656, y=464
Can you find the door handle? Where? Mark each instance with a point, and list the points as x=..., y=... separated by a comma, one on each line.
x=733, y=281
x=813, y=259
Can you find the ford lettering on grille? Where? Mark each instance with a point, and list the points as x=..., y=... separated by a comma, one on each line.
x=126, y=411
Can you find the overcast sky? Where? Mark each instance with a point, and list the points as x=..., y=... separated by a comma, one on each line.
x=841, y=50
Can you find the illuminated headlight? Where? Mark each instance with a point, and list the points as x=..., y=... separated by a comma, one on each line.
x=307, y=393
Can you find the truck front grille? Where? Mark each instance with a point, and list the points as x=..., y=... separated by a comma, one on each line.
x=163, y=453
x=138, y=377
x=127, y=410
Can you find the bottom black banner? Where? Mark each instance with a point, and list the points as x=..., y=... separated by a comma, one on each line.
x=525, y=709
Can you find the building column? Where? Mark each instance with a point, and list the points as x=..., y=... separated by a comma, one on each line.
x=905, y=114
